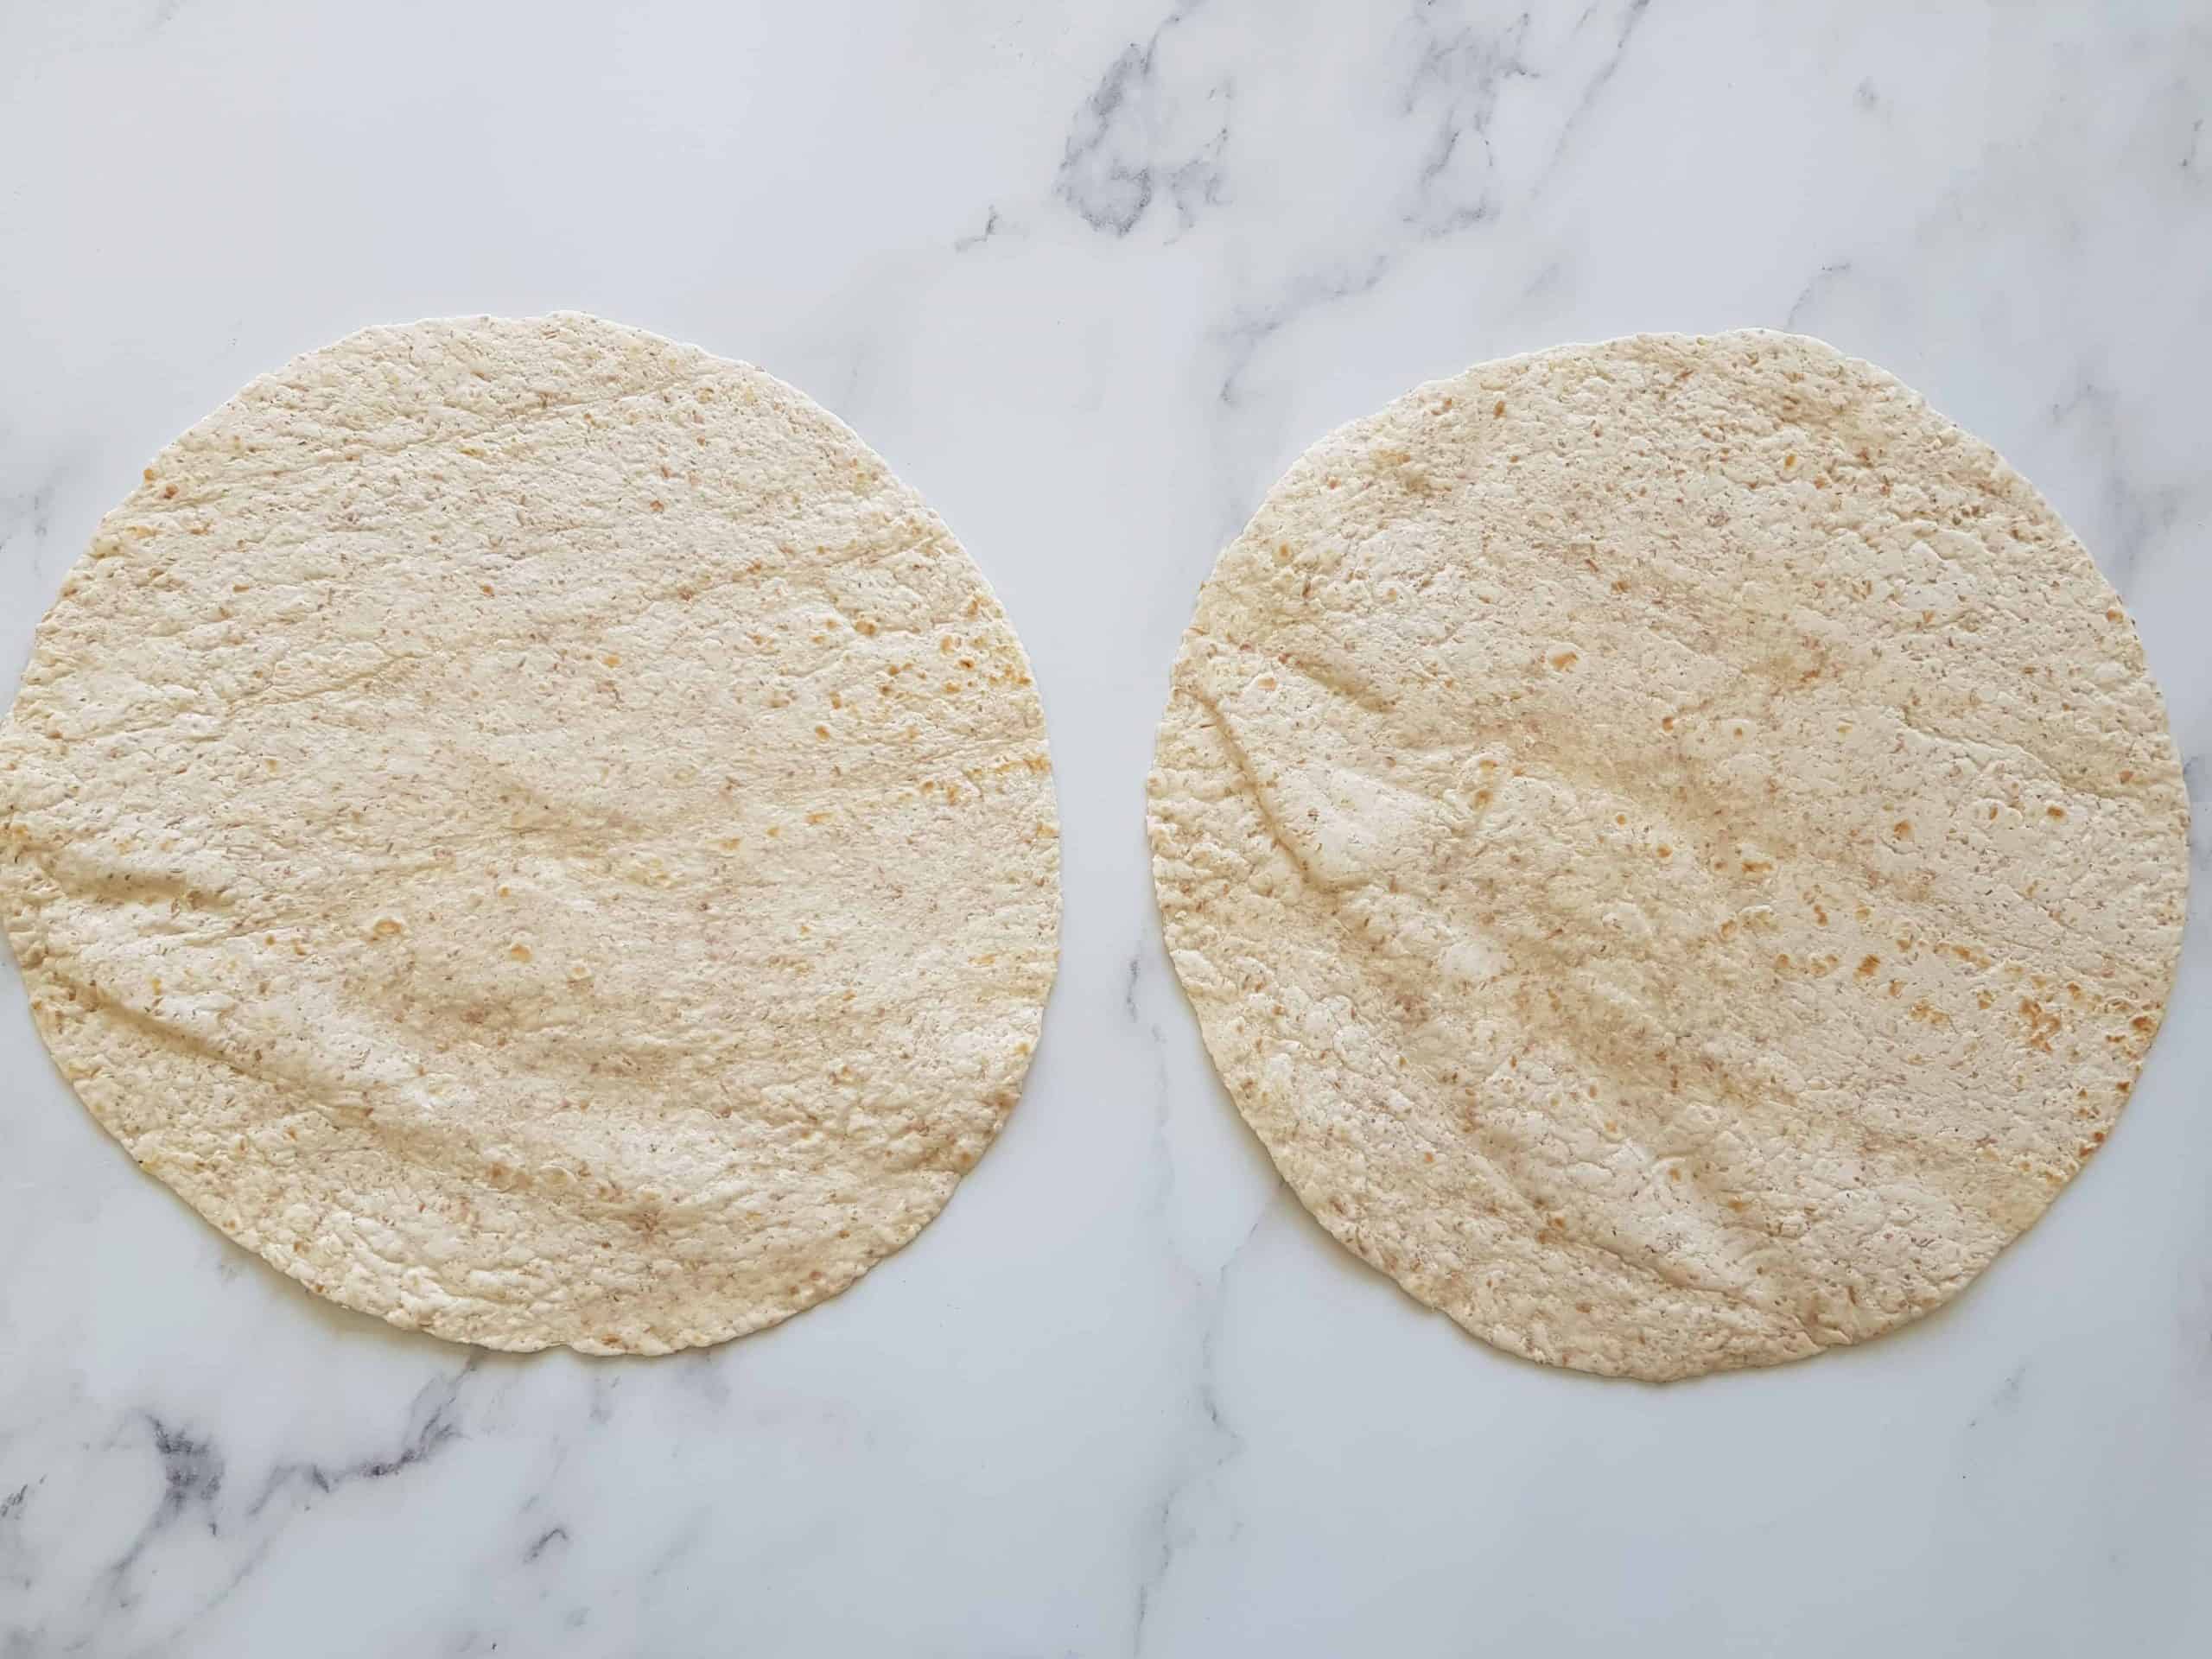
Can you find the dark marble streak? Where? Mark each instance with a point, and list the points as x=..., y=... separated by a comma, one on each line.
x=1251, y=328
x=16, y=1565
x=1213, y=1440
x=432, y=1426
x=2004, y=1399
x=993, y=225
x=29, y=518
x=199, y=1494
x=1169, y=1526
x=2129, y=514
x=606, y=1382
x=191, y=1483
x=1624, y=32
x=1824, y=281
x=1113, y=168
x=1456, y=79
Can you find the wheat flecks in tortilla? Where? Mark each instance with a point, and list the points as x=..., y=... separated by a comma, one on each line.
x=1672, y=847
x=533, y=830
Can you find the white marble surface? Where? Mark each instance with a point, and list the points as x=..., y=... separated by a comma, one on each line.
x=1090, y=277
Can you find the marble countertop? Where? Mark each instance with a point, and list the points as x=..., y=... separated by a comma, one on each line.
x=1089, y=277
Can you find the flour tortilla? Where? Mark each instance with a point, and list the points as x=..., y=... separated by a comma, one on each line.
x=1672, y=846
x=533, y=830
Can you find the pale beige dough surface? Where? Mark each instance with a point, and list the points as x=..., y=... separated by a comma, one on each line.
x=1672, y=847
x=532, y=829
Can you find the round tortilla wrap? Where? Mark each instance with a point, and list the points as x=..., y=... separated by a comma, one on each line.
x=530, y=828
x=1672, y=847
